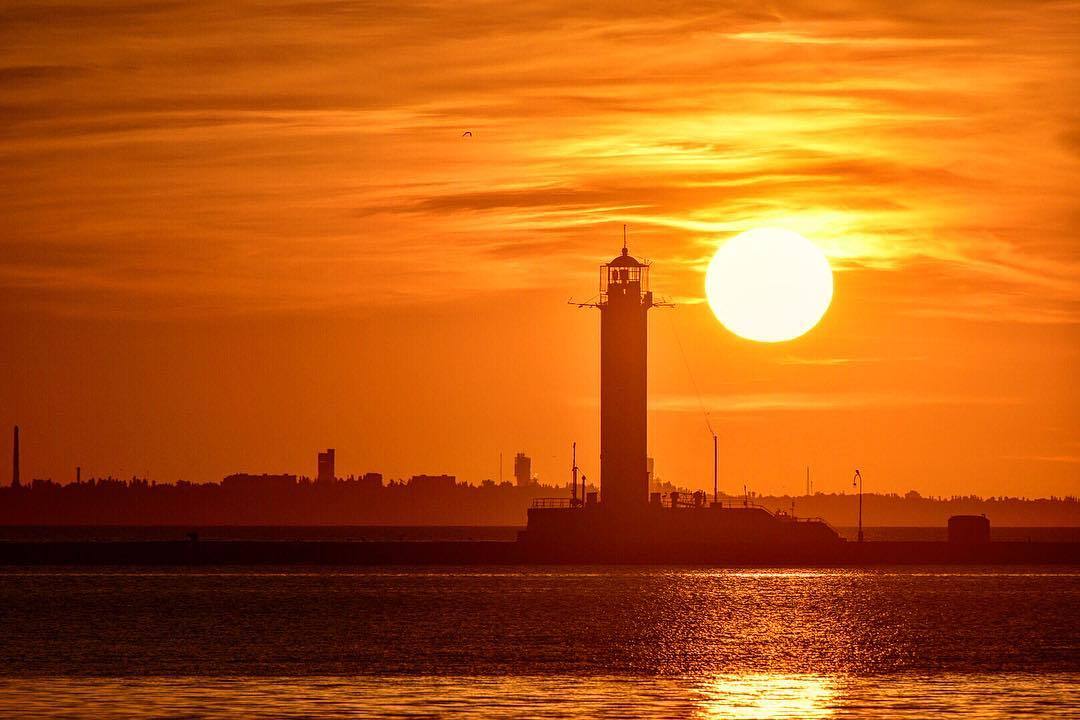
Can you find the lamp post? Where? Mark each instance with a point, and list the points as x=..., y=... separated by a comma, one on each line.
x=857, y=480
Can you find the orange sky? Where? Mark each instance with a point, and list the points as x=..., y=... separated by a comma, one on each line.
x=235, y=233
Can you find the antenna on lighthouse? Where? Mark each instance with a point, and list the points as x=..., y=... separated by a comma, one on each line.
x=624, y=250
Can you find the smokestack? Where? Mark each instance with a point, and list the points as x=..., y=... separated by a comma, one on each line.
x=78, y=474
x=15, y=461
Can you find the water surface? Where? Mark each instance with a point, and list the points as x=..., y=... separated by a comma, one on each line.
x=541, y=642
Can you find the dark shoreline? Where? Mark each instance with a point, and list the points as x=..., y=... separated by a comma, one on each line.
x=290, y=552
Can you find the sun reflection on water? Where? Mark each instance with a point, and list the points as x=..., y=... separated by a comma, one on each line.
x=765, y=696
x=760, y=696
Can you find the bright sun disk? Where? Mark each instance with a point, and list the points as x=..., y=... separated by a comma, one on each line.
x=769, y=285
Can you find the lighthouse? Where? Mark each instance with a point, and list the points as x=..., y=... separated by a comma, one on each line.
x=624, y=304
x=630, y=524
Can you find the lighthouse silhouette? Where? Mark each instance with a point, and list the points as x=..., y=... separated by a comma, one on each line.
x=624, y=304
x=630, y=524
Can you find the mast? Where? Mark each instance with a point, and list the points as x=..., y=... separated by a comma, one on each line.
x=715, y=469
x=15, y=482
x=573, y=471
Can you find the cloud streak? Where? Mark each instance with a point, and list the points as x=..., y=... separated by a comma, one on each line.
x=802, y=402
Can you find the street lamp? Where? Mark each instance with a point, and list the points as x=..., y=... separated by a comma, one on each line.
x=857, y=480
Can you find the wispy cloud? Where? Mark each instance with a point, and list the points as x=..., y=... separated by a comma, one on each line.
x=780, y=402
x=1067, y=459
x=827, y=361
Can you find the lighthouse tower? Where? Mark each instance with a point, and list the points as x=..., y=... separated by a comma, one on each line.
x=629, y=524
x=624, y=304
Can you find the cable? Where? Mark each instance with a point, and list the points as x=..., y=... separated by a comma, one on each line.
x=690, y=374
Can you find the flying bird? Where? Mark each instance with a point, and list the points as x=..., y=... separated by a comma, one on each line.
x=467, y=133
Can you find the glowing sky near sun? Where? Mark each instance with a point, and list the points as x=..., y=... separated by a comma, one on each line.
x=234, y=233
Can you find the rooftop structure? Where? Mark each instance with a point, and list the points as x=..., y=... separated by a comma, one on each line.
x=326, y=467
x=522, y=469
x=433, y=482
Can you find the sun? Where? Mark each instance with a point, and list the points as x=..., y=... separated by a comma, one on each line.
x=769, y=285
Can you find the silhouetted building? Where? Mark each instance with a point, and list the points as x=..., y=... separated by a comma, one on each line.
x=326, y=467
x=650, y=469
x=432, y=482
x=522, y=469
x=969, y=529
x=255, y=484
x=15, y=461
x=370, y=481
x=624, y=304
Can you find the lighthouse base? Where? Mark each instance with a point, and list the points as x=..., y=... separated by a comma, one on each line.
x=652, y=532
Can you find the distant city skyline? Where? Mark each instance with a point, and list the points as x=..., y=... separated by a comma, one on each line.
x=276, y=499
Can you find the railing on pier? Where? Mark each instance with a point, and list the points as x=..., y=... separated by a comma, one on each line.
x=687, y=500
x=788, y=517
x=792, y=518
x=556, y=502
x=684, y=500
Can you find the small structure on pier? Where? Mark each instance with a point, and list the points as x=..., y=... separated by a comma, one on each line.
x=969, y=529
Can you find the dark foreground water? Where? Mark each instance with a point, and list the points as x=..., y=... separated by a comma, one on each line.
x=426, y=533
x=555, y=642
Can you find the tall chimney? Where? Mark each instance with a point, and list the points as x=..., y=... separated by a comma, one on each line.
x=15, y=461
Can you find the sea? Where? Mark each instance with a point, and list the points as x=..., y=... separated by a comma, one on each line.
x=540, y=642
x=428, y=533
